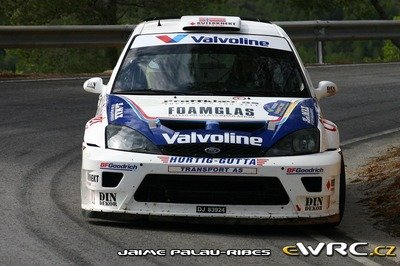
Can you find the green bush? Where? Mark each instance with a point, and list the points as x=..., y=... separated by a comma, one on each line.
x=390, y=52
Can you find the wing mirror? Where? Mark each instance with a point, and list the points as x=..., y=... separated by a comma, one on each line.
x=326, y=89
x=93, y=85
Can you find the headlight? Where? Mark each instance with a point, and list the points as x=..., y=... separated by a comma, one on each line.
x=127, y=139
x=304, y=141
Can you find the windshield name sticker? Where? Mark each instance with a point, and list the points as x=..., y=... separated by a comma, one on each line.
x=210, y=111
x=307, y=115
x=241, y=40
x=212, y=161
x=229, y=138
x=191, y=102
x=203, y=39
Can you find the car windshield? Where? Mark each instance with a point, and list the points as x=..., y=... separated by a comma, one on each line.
x=210, y=69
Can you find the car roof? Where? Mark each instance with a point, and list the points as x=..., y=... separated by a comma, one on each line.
x=158, y=26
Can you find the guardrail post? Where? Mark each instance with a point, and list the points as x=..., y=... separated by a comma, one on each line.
x=320, y=33
x=320, y=53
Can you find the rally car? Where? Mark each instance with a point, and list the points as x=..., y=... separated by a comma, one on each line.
x=212, y=117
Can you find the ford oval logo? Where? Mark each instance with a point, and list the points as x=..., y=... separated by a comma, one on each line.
x=212, y=150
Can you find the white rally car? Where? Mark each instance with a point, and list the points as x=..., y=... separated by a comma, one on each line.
x=212, y=117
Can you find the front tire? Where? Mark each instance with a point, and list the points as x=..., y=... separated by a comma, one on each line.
x=342, y=193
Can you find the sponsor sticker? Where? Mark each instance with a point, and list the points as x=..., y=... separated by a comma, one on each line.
x=117, y=166
x=328, y=125
x=94, y=120
x=218, y=111
x=330, y=185
x=303, y=171
x=307, y=115
x=230, y=40
x=191, y=21
x=229, y=138
x=331, y=90
x=277, y=108
x=108, y=199
x=171, y=39
x=279, y=112
x=219, y=39
x=117, y=111
x=91, y=84
x=92, y=178
x=212, y=170
x=212, y=161
x=312, y=204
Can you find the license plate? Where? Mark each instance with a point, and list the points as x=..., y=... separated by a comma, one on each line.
x=210, y=209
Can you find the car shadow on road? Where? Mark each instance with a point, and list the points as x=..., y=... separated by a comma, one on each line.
x=225, y=229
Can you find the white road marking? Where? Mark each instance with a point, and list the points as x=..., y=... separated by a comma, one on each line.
x=370, y=136
x=350, y=65
x=321, y=238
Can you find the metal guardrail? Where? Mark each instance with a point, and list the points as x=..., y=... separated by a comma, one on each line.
x=116, y=35
x=64, y=36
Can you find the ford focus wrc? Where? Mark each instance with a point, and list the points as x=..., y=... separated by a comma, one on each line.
x=212, y=117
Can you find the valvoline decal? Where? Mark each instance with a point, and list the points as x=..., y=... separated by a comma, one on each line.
x=289, y=116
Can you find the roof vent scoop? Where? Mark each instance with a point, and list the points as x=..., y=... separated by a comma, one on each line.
x=223, y=23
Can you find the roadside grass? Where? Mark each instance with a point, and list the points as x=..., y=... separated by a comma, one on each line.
x=381, y=177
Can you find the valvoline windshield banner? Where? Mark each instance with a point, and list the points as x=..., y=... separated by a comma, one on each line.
x=169, y=120
x=212, y=38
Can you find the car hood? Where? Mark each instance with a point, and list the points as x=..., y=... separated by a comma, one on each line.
x=203, y=119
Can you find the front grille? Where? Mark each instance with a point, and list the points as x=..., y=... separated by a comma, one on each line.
x=226, y=150
x=211, y=189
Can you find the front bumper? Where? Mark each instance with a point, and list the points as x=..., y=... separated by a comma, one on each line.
x=305, y=204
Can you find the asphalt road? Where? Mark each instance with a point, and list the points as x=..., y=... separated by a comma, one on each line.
x=42, y=126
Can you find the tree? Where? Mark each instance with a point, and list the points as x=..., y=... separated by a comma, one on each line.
x=352, y=9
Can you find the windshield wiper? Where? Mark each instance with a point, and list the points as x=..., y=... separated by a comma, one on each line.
x=155, y=92
x=243, y=93
x=198, y=92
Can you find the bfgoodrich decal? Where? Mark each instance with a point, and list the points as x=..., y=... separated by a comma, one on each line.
x=118, y=166
x=303, y=171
